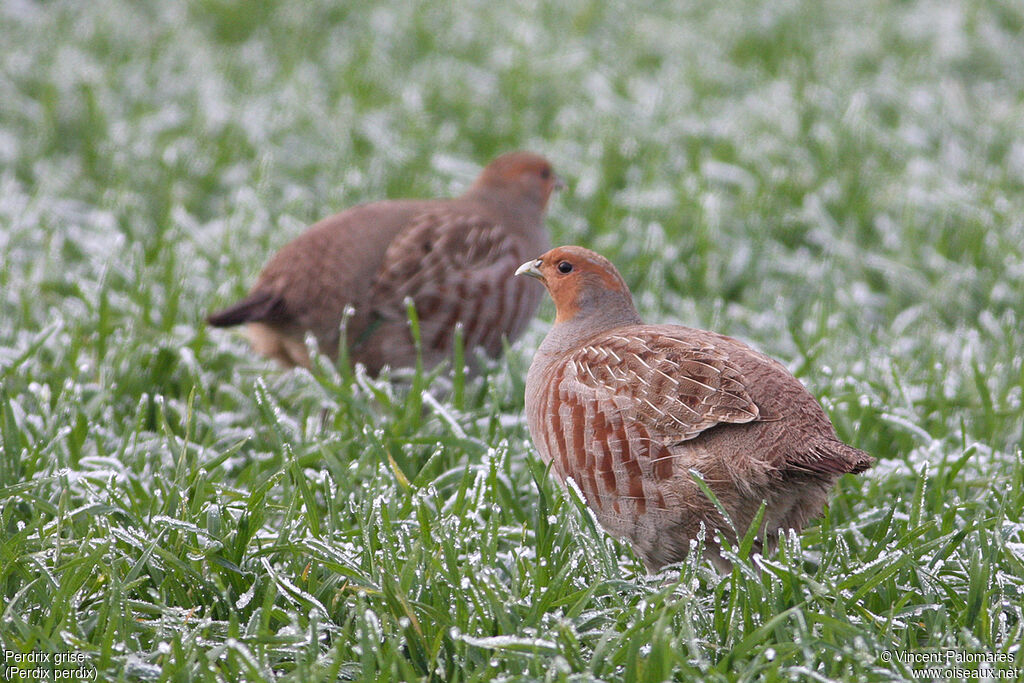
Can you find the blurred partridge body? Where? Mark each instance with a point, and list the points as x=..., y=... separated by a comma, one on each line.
x=453, y=257
x=627, y=410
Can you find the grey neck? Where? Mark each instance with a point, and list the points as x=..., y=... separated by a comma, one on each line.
x=508, y=201
x=572, y=333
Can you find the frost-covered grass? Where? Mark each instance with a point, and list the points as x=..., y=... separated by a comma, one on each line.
x=840, y=183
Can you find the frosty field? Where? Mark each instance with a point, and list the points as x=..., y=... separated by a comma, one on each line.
x=839, y=184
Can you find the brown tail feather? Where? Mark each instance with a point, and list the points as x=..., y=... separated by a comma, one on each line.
x=831, y=457
x=257, y=307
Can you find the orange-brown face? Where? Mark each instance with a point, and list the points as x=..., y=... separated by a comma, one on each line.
x=530, y=172
x=571, y=272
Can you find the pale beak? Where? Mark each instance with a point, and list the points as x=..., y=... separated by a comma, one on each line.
x=558, y=184
x=531, y=268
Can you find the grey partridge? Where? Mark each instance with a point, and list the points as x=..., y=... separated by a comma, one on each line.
x=453, y=257
x=627, y=410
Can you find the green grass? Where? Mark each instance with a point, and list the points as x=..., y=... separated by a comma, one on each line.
x=841, y=184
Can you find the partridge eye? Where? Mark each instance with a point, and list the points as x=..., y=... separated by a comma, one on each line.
x=545, y=173
x=564, y=267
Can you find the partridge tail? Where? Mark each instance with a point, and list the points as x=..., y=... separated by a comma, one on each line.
x=257, y=307
x=831, y=457
x=856, y=458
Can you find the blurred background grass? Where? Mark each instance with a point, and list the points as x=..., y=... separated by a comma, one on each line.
x=838, y=183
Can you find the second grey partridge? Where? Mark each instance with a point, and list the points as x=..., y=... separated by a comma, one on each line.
x=453, y=257
x=627, y=410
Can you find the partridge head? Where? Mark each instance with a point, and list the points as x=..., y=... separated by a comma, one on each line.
x=453, y=257
x=627, y=410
